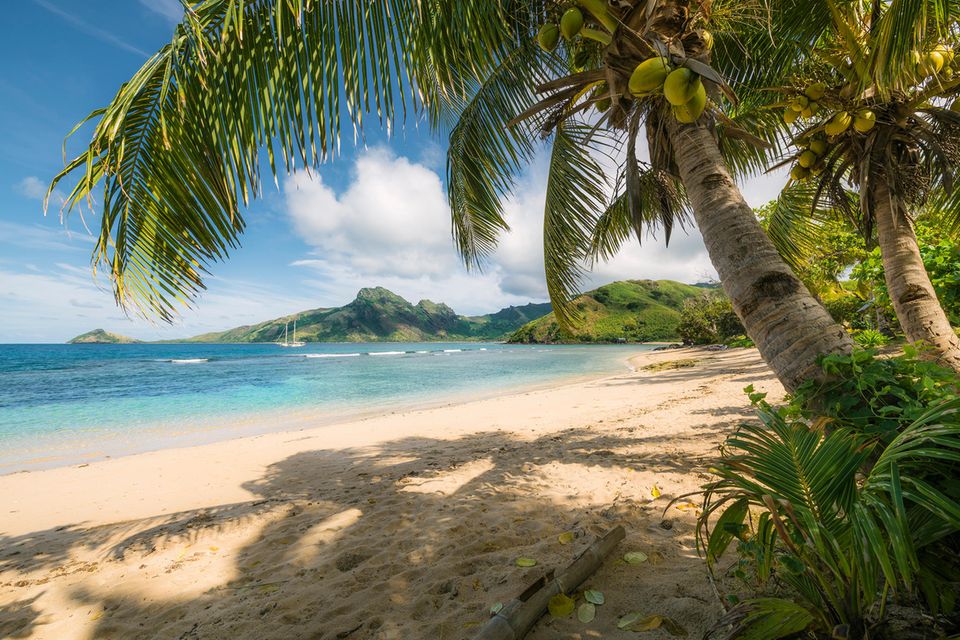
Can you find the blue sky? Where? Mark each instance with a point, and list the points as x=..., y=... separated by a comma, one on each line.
x=375, y=216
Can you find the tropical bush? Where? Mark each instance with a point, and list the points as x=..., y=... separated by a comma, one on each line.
x=709, y=319
x=870, y=338
x=941, y=259
x=835, y=511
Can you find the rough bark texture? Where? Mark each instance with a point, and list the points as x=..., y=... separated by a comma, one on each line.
x=790, y=327
x=914, y=298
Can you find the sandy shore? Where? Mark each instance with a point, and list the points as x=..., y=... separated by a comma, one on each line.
x=399, y=526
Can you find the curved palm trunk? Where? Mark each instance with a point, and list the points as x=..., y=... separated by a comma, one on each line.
x=791, y=329
x=914, y=299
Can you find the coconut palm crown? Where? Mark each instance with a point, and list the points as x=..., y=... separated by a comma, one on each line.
x=890, y=136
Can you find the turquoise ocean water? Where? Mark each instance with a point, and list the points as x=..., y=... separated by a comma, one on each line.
x=64, y=404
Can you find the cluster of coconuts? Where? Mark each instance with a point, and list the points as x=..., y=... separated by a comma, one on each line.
x=806, y=104
x=682, y=87
x=810, y=162
x=573, y=23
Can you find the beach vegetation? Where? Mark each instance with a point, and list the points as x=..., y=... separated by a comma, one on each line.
x=885, y=131
x=841, y=503
x=709, y=319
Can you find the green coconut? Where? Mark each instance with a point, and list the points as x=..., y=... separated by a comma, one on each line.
x=815, y=91
x=790, y=116
x=818, y=146
x=549, y=37
x=681, y=85
x=807, y=159
x=799, y=173
x=692, y=110
x=649, y=76
x=571, y=23
x=931, y=64
x=839, y=123
x=864, y=120
x=955, y=107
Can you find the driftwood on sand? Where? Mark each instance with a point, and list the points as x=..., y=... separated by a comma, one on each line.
x=520, y=614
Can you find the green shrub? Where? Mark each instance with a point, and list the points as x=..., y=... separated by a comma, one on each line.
x=709, y=319
x=840, y=500
x=870, y=339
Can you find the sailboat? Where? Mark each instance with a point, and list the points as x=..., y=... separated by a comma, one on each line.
x=286, y=342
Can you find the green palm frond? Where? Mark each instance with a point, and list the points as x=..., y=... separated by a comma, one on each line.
x=850, y=515
x=660, y=204
x=576, y=189
x=177, y=152
x=485, y=154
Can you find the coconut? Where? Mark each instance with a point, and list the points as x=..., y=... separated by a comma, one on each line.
x=815, y=91
x=571, y=23
x=818, y=146
x=806, y=112
x=945, y=51
x=799, y=173
x=839, y=123
x=692, y=110
x=807, y=159
x=955, y=107
x=931, y=64
x=549, y=37
x=680, y=86
x=796, y=106
x=803, y=101
x=864, y=120
x=649, y=76
x=790, y=116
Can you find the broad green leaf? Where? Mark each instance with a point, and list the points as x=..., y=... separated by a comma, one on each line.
x=593, y=596
x=561, y=605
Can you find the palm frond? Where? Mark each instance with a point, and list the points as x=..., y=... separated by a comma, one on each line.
x=177, y=151
x=576, y=189
x=485, y=154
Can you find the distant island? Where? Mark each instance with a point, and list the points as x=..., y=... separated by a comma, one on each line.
x=633, y=310
x=99, y=336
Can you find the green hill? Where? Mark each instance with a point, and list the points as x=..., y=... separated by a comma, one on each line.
x=99, y=336
x=379, y=315
x=631, y=310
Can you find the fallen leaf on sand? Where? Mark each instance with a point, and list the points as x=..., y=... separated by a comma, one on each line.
x=566, y=538
x=561, y=605
x=526, y=562
x=674, y=628
x=496, y=608
x=636, y=621
x=587, y=612
x=635, y=557
x=655, y=492
x=593, y=596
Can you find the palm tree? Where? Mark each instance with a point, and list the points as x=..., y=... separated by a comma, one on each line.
x=178, y=148
x=886, y=131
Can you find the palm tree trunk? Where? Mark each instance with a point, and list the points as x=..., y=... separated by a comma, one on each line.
x=791, y=329
x=914, y=299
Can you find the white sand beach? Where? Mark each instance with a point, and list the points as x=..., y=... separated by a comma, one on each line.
x=399, y=526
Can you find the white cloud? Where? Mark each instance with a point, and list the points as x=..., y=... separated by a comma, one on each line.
x=391, y=227
x=91, y=30
x=172, y=10
x=31, y=187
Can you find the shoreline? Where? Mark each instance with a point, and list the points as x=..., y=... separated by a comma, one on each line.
x=294, y=419
x=396, y=526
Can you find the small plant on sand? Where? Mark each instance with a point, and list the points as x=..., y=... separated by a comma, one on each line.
x=870, y=339
x=833, y=517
